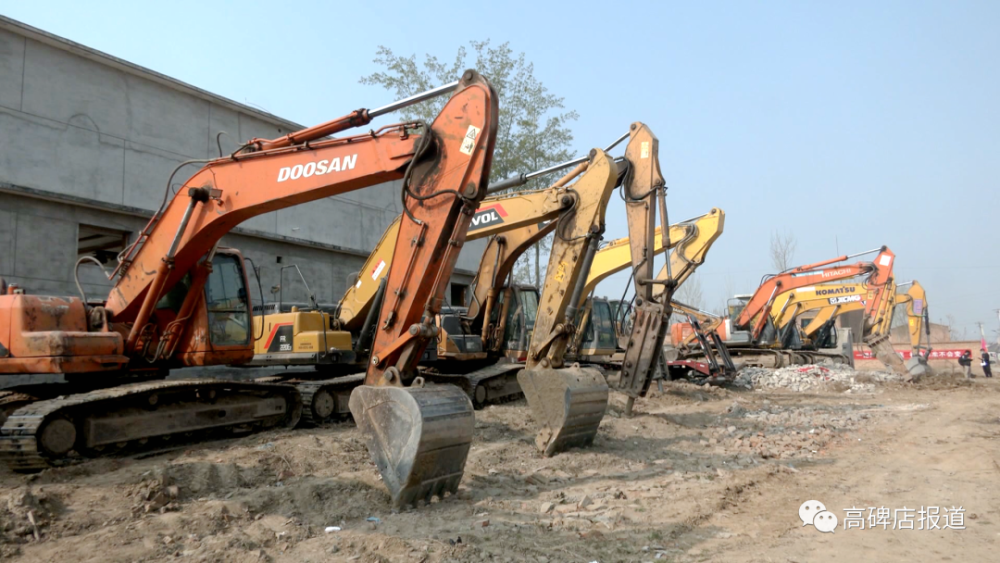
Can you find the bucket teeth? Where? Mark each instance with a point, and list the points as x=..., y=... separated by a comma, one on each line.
x=419, y=438
x=568, y=403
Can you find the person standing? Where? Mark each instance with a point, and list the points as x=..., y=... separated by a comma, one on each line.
x=985, y=363
x=965, y=360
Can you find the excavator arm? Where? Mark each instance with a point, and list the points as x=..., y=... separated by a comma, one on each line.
x=568, y=403
x=708, y=322
x=918, y=323
x=693, y=237
x=644, y=191
x=828, y=299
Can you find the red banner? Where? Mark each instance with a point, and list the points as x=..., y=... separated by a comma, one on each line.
x=907, y=354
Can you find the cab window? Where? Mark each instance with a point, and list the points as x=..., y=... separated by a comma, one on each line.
x=226, y=301
x=601, y=319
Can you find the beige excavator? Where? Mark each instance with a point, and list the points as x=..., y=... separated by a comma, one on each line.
x=180, y=300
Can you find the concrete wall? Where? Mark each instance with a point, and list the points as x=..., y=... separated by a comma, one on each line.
x=38, y=241
x=100, y=137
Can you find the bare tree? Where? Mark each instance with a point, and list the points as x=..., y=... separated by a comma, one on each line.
x=953, y=330
x=689, y=294
x=782, y=250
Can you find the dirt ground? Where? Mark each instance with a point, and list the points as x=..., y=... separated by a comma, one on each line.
x=696, y=475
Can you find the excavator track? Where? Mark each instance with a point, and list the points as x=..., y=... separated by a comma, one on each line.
x=327, y=400
x=10, y=401
x=46, y=433
x=488, y=385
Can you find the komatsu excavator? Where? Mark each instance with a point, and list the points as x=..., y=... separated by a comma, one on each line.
x=829, y=300
x=832, y=300
x=180, y=300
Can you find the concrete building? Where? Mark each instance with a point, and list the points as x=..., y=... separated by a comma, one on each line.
x=87, y=143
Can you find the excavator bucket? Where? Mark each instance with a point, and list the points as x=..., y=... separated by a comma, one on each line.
x=886, y=354
x=568, y=403
x=917, y=368
x=419, y=437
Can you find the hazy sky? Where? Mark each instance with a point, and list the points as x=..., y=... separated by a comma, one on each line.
x=849, y=124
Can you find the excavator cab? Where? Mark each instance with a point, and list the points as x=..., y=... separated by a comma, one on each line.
x=734, y=307
x=224, y=314
x=600, y=336
x=517, y=305
x=227, y=302
x=454, y=342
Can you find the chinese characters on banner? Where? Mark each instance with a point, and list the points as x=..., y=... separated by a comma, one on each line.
x=907, y=354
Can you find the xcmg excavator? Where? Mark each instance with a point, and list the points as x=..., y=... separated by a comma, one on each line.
x=180, y=300
x=829, y=300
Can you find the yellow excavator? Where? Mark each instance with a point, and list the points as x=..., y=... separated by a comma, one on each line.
x=832, y=300
x=828, y=300
x=605, y=322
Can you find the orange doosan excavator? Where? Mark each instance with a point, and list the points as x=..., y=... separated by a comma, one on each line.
x=179, y=300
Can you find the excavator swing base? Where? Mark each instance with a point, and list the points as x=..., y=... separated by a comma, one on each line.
x=419, y=437
x=568, y=403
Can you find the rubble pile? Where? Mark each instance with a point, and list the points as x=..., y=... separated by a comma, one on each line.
x=777, y=432
x=24, y=515
x=814, y=378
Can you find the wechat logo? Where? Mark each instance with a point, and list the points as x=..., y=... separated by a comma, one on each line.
x=814, y=512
